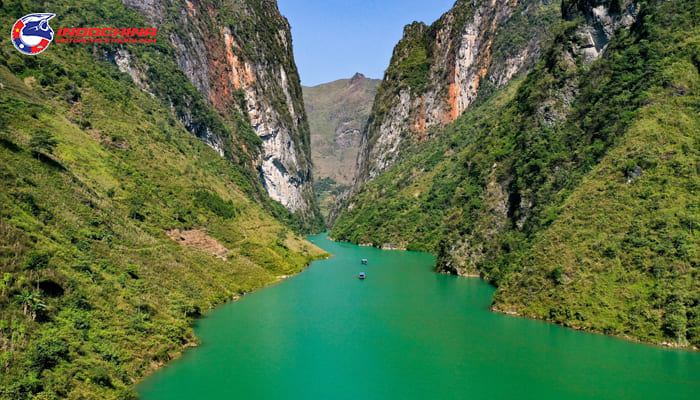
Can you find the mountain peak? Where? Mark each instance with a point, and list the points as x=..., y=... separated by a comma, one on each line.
x=358, y=77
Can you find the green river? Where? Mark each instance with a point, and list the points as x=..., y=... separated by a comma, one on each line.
x=405, y=332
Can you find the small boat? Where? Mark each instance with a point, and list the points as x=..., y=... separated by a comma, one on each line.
x=362, y=275
x=364, y=261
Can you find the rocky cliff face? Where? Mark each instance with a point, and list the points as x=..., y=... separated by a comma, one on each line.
x=238, y=54
x=603, y=18
x=436, y=72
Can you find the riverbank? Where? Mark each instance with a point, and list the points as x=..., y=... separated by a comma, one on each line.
x=470, y=274
x=665, y=344
x=324, y=331
x=192, y=341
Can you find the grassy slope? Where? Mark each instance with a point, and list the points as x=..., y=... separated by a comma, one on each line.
x=334, y=108
x=544, y=211
x=622, y=258
x=86, y=225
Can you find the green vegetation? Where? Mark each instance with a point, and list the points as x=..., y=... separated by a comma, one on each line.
x=157, y=63
x=574, y=190
x=411, y=202
x=329, y=185
x=42, y=141
x=94, y=171
x=215, y=204
x=411, y=58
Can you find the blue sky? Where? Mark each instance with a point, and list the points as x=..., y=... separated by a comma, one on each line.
x=333, y=39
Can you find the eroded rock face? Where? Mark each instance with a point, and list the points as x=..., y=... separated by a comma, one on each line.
x=465, y=52
x=603, y=18
x=384, y=151
x=587, y=44
x=238, y=55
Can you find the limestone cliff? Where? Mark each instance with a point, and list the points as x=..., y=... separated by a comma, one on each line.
x=437, y=71
x=603, y=18
x=238, y=54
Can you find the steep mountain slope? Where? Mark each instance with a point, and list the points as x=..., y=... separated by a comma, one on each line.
x=573, y=189
x=337, y=113
x=437, y=71
x=238, y=54
x=117, y=225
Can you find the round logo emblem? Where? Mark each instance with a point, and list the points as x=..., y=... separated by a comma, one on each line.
x=32, y=34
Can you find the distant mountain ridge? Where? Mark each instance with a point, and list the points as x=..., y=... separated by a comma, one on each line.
x=337, y=112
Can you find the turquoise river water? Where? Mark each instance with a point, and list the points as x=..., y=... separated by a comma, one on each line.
x=405, y=332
